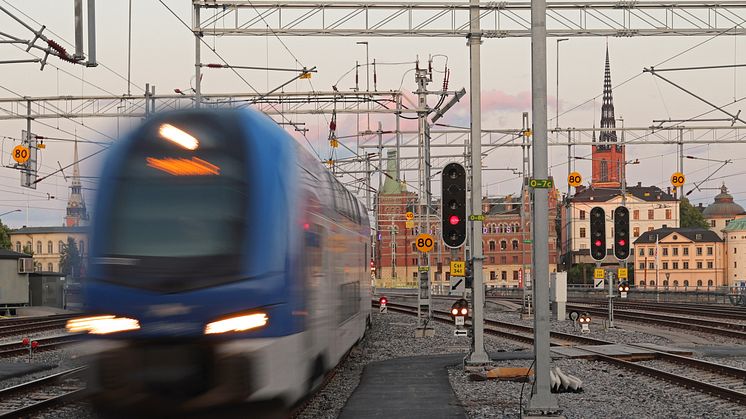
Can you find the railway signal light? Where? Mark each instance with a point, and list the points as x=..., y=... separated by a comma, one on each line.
x=623, y=289
x=383, y=304
x=453, y=211
x=598, y=233
x=459, y=312
x=584, y=321
x=621, y=233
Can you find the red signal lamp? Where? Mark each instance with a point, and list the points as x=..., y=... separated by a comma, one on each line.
x=383, y=301
x=25, y=341
x=597, y=243
x=622, y=242
x=34, y=345
x=454, y=220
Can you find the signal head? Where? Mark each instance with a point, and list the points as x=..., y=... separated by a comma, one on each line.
x=453, y=212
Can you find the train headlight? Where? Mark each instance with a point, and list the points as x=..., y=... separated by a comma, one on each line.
x=239, y=323
x=101, y=325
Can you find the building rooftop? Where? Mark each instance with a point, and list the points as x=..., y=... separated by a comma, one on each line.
x=723, y=207
x=9, y=254
x=697, y=235
x=645, y=193
x=47, y=230
x=738, y=224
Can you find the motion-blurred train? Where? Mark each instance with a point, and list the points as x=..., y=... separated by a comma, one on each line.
x=227, y=266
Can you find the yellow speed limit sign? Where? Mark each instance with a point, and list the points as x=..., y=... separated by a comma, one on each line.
x=678, y=179
x=424, y=242
x=574, y=179
x=409, y=215
x=21, y=154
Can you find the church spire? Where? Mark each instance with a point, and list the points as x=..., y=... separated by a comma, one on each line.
x=76, y=211
x=608, y=154
x=608, y=133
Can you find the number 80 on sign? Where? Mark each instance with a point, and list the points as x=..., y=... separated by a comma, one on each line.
x=424, y=242
x=678, y=179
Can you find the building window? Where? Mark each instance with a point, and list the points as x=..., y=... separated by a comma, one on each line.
x=514, y=243
x=699, y=265
x=492, y=259
x=414, y=247
x=709, y=265
x=735, y=250
x=493, y=276
x=665, y=265
x=665, y=282
x=699, y=282
x=652, y=283
x=604, y=171
x=504, y=275
x=642, y=265
x=686, y=282
x=38, y=248
x=642, y=283
x=686, y=251
x=668, y=214
x=515, y=275
x=675, y=251
x=686, y=265
x=503, y=245
x=515, y=259
x=60, y=246
x=675, y=283
x=503, y=259
x=651, y=214
x=676, y=265
x=414, y=261
x=642, y=251
x=50, y=267
x=709, y=283
x=49, y=247
x=651, y=252
x=712, y=223
x=709, y=251
x=582, y=232
x=582, y=214
x=651, y=265
x=492, y=245
x=636, y=231
x=636, y=214
x=665, y=251
x=699, y=251
x=735, y=264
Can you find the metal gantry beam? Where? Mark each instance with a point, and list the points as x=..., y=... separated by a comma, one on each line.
x=450, y=19
x=108, y=106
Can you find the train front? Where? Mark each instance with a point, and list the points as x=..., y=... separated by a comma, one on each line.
x=189, y=301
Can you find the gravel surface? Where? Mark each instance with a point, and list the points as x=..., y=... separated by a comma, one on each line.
x=608, y=392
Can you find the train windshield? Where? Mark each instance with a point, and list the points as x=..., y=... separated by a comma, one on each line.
x=178, y=215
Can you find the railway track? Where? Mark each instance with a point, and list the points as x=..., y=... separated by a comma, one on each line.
x=45, y=344
x=733, y=330
x=23, y=399
x=721, y=381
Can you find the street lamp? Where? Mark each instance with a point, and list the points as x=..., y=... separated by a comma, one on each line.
x=367, y=77
x=556, y=118
x=9, y=212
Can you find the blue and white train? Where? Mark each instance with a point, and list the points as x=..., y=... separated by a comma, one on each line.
x=227, y=266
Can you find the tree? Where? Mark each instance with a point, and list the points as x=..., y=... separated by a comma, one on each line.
x=70, y=260
x=690, y=216
x=5, y=237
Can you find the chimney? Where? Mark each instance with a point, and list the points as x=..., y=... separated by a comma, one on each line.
x=639, y=184
x=668, y=190
x=664, y=226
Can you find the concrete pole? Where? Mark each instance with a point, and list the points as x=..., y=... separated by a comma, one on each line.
x=91, y=62
x=197, y=59
x=78, y=29
x=542, y=399
x=477, y=355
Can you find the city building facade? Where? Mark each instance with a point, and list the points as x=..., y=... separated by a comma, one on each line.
x=735, y=250
x=721, y=212
x=46, y=244
x=679, y=259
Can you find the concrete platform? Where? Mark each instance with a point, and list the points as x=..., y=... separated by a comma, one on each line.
x=412, y=387
x=40, y=311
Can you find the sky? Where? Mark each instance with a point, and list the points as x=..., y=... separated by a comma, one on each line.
x=163, y=55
